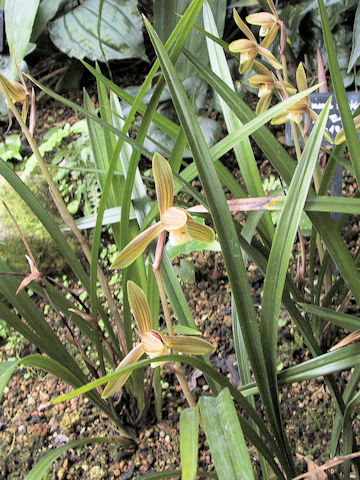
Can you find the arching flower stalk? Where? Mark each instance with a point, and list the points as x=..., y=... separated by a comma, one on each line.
x=177, y=221
x=152, y=342
x=249, y=48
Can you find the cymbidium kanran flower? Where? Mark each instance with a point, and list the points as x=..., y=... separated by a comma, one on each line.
x=16, y=91
x=152, y=342
x=296, y=111
x=177, y=221
x=249, y=48
x=267, y=83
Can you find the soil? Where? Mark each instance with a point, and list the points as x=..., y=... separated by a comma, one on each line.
x=29, y=427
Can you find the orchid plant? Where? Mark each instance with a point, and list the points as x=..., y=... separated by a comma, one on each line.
x=119, y=360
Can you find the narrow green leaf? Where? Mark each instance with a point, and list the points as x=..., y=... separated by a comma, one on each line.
x=285, y=165
x=226, y=232
x=328, y=363
x=60, y=371
x=42, y=467
x=6, y=370
x=283, y=243
x=343, y=320
x=111, y=215
x=189, y=437
x=97, y=119
x=26, y=194
x=227, y=445
x=171, y=474
x=340, y=92
x=248, y=430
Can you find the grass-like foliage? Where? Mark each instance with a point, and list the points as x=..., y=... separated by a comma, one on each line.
x=297, y=271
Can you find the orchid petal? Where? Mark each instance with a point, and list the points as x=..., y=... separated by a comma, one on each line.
x=246, y=63
x=242, y=46
x=263, y=104
x=188, y=344
x=173, y=219
x=260, y=79
x=164, y=182
x=264, y=52
x=289, y=88
x=270, y=36
x=180, y=236
x=301, y=80
x=139, y=307
x=153, y=344
x=243, y=27
x=261, y=69
x=114, y=385
x=15, y=90
x=136, y=247
x=261, y=18
x=200, y=232
x=281, y=118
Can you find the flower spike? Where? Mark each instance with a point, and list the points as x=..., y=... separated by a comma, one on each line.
x=177, y=221
x=153, y=343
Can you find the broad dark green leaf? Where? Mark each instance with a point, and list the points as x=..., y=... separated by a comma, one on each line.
x=76, y=33
x=19, y=20
x=46, y=12
x=223, y=432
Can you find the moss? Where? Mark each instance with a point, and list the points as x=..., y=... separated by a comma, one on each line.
x=44, y=249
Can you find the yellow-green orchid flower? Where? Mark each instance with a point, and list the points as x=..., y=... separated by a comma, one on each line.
x=268, y=24
x=249, y=48
x=152, y=343
x=16, y=91
x=267, y=83
x=177, y=221
x=296, y=111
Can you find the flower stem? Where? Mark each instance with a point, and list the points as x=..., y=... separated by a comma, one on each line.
x=177, y=368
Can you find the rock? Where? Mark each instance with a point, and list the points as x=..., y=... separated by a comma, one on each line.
x=60, y=440
x=12, y=250
x=69, y=420
x=97, y=473
x=21, y=430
